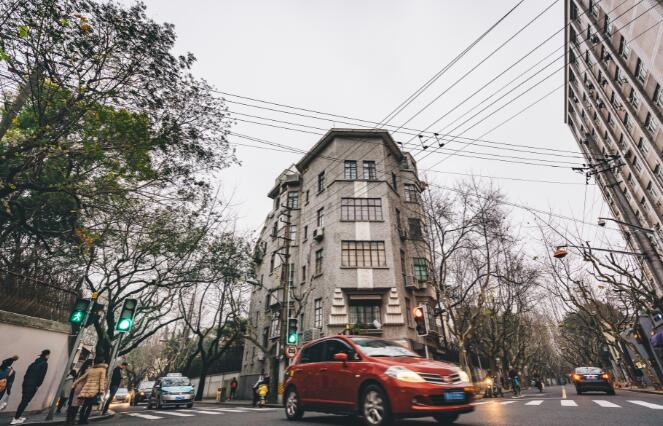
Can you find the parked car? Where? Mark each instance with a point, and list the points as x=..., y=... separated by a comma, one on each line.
x=172, y=390
x=376, y=379
x=122, y=395
x=592, y=379
x=142, y=393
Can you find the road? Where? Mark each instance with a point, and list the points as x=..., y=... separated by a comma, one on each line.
x=556, y=406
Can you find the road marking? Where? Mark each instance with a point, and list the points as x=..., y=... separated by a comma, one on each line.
x=174, y=413
x=564, y=392
x=145, y=416
x=229, y=410
x=648, y=405
x=202, y=412
x=536, y=402
x=568, y=403
x=604, y=403
x=254, y=409
x=507, y=402
x=480, y=403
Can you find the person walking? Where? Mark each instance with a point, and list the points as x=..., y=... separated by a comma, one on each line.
x=95, y=385
x=116, y=380
x=233, y=388
x=74, y=398
x=7, y=376
x=261, y=378
x=66, y=390
x=34, y=377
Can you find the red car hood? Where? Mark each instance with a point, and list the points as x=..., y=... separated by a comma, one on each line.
x=419, y=364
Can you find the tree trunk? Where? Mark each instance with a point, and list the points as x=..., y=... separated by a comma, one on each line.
x=201, y=382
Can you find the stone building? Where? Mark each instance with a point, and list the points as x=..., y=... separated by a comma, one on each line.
x=614, y=108
x=349, y=212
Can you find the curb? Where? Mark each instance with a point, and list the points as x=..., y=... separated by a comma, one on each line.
x=653, y=392
x=235, y=404
x=64, y=421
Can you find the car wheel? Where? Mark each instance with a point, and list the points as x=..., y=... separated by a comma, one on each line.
x=189, y=405
x=375, y=407
x=446, y=419
x=293, y=406
x=578, y=391
x=611, y=392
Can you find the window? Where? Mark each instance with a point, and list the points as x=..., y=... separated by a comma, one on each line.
x=633, y=98
x=275, y=230
x=293, y=234
x=318, y=262
x=370, y=173
x=650, y=123
x=317, y=313
x=659, y=173
x=627, y=122
x=593, y=8
x=588, y=59
x=320, y=217
x=307, y=196
x=305, y=232
x=304, y=274
x=312, y=353
x=421, y=268
x=321, y=181
x=291, y=275
x=293, y=200
x=394, y=181
x=411, y=193
x=275, y=329
x=607, y=26
x=610, y=122
x=624, y=49
x=642, y=146
x=361, y=209
x=403, y=270
x=618, y=76
x=365, y=312
x=350, y=170
x=574, y=10
x=650, y=189
x=658, y=96
x=363, y=254
x=408, y=309
x=333, y=347
x=398, y=219
x=641, y=71
x=414, y=226
x=637, y=166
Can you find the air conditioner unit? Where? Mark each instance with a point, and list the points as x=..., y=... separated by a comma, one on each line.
x=318, y=233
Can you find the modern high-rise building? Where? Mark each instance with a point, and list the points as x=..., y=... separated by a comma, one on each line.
x=614, y=107
x=346, y=237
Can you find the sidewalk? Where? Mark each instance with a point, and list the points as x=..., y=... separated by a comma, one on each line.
x=37, y=418
x=650, y=390
x=234, y=403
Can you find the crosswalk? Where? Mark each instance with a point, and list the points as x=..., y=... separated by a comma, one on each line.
x=572, y=403
x=192, y=412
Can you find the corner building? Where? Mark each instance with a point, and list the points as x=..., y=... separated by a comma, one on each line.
x=614, y=108
x=356, y=258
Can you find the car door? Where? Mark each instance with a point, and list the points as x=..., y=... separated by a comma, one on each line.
x=339, y=380
x=308, y=377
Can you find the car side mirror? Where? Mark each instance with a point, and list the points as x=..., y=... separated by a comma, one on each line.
x=341, y=357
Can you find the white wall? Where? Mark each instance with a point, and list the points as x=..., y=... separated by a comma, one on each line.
x=216, y=381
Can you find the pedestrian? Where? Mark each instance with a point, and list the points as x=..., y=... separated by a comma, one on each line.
x=233, y=388
x=95, y=385
x=34, y=377
x=116, y=380
x=7, y=376
x=75, y=400
x=66, y=390
x=261, y=378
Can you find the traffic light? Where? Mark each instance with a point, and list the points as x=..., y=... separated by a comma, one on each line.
x=292, y=331
x=79, y=312
x=421, y=320
x=126, y=319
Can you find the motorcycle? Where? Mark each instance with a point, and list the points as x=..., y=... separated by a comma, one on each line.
x=493, y=390
x=539, y=385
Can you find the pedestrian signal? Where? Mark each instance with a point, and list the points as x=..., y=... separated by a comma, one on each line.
x=126, y=319
x=421, y=320
x=79, y=312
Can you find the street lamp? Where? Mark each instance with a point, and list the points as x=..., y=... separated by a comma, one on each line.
x=602, y=222
x=561, y=252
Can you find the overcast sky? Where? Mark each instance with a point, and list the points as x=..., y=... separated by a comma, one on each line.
x=362, y=59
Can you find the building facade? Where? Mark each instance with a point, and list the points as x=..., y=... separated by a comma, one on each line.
x=346, y=236
x=614, y=108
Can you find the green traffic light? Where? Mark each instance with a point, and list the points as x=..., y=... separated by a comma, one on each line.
x=292, y=338
x=124, y=324
x=76, y=317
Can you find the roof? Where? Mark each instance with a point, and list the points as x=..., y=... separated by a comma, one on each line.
x=349, y=133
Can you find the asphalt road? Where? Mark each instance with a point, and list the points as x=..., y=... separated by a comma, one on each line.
x=555, y=406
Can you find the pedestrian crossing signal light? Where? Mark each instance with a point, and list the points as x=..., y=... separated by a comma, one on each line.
x=421, y=320
x=126, y=319
x=293, y=337
x=78, y=314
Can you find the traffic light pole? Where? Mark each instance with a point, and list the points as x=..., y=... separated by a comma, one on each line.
x=285, y=307
x=111, y=364
x=70, y=359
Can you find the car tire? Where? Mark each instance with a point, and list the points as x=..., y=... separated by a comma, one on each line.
x=446, y=419
x=611, y=392
x=189, y=405
x=293, y=405
x=374, y=407
x=578, y=391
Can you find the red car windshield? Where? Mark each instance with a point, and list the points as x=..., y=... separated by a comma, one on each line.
x=379, y=347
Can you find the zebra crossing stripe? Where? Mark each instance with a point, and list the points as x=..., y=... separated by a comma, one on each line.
x=254, y=409
x=535, y=402
x=174, y=413
x=568, y=403
x=507, y=402
x=648, y=405
x=604, y=403
x=229, y=410
x=145, y=416
x=202, y=411
x=481, y=403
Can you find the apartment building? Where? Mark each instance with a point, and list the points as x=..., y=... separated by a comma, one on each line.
x=346, y=233
x=614, y=108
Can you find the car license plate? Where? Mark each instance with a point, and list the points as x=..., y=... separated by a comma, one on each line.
x=454, y=396
x=179, y=398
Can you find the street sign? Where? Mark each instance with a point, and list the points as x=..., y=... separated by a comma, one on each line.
x=291, y=351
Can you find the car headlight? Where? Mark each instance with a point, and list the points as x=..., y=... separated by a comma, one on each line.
x=463, y=376
x=489, y=381
x=404, y=374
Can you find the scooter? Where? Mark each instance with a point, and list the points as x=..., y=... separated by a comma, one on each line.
x=493, y=390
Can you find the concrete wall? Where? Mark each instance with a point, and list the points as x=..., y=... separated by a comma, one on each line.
x=215, y=381
x=26, y=337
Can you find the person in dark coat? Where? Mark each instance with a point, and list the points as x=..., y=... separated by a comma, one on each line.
x=7, y=376
x=34, y=377
x=116, y=380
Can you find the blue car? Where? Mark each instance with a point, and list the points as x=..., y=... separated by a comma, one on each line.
x=174, y=390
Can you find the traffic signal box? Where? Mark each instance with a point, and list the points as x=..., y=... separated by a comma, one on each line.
x=293, y=337
x=126, y=318
x=78, y=314
x=420, y=314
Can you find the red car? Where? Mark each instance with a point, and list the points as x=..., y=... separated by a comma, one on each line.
x=376, y=379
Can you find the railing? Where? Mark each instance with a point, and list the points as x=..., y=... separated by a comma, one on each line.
x=35, y=297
